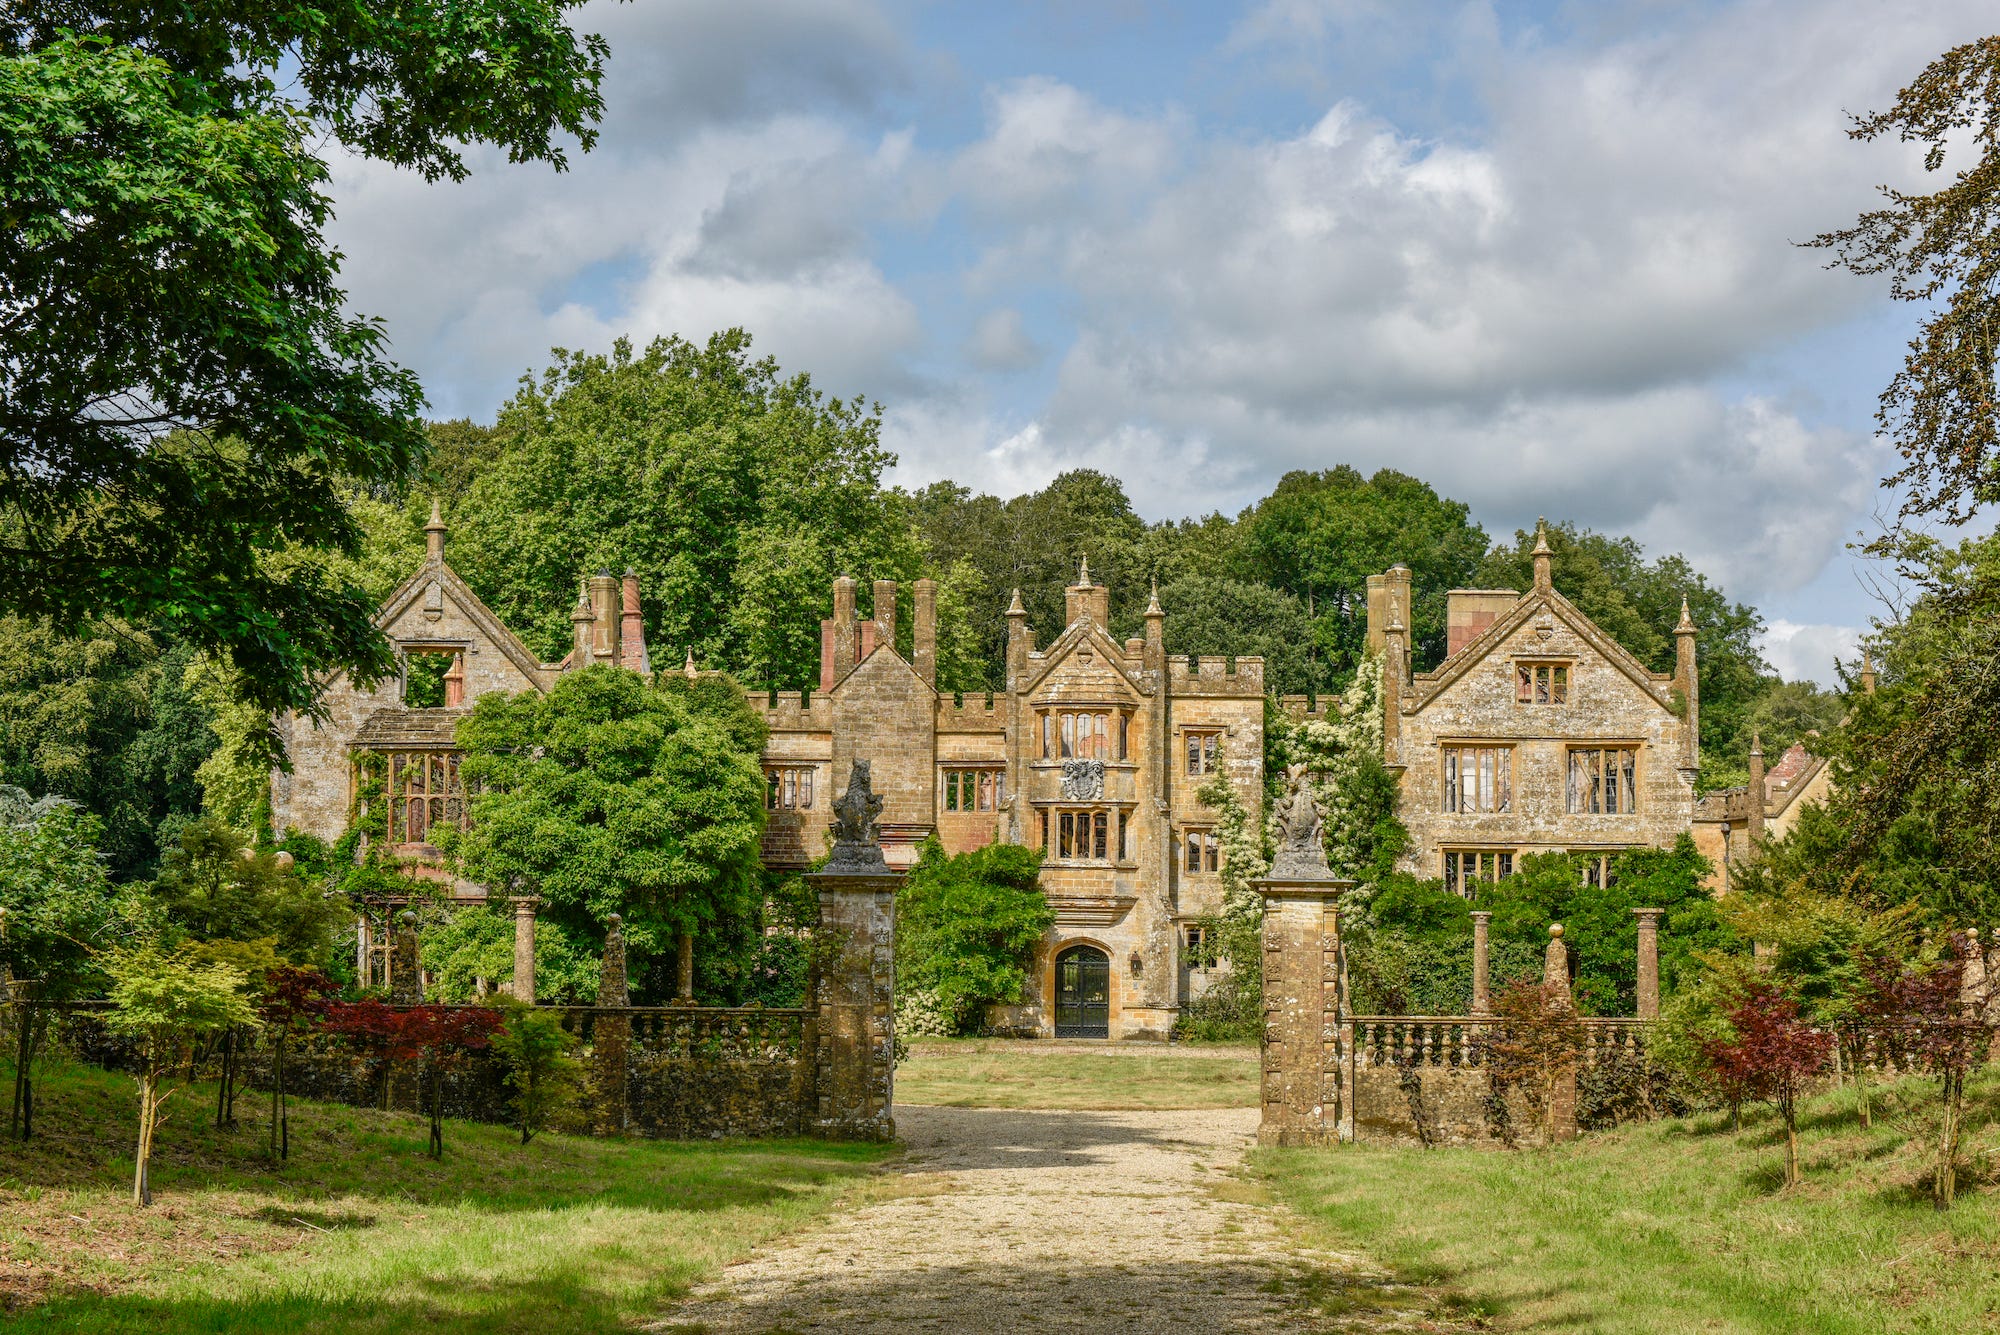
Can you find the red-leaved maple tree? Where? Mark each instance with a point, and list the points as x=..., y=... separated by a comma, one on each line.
x=1773, y=1055
x=441, y=1039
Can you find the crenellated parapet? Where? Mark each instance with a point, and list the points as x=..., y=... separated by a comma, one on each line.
x=1216, y=674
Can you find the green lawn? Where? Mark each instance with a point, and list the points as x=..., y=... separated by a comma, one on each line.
x=989, y=1073
x=360, y=1232
x=1677, y=1226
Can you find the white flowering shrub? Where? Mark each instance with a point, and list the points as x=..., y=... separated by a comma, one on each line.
x=922, y=1013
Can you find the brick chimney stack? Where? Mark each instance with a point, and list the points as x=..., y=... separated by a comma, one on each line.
x=632, y=627
x=924, y=639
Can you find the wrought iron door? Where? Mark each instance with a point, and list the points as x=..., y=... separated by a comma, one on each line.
x=1083, y=993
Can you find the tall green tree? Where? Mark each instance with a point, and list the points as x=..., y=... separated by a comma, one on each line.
x=1318, y=536
x=611, y=795
x=967, y=927
x=1920, y=757
x=182, y=388
x=214, y=886
x=1213, y=614
x=736, y=494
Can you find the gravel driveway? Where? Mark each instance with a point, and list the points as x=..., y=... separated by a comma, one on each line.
x=1032, y=1221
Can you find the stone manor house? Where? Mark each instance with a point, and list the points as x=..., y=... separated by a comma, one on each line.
x=1538, y=732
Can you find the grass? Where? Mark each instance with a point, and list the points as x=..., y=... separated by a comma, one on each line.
x=994, y=1073
x=1677, y=1226
x=360, y=1232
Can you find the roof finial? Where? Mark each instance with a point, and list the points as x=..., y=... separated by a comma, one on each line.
x=1686, y=623
x=1153, y=605
x=1867, y=672
x=434, y=534
x=1017, y=608
x=689, y=666
x=1083, y=571
x=1541, y=555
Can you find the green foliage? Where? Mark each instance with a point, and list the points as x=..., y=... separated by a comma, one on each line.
x=1033, y=542
x=1637, y=602
x=183, y=387
x=1319, y=536
x=464, y=943
x=1213, y=614
x=542, y=1069
x=62, y=911
x=609, y=795
x=1233, y=1006
x=967, y=927
x=1600, y=928
x=168, y=1002
x=1915, y=814
x=1941, y=250
x=1342, y=751
x=215, y=886
x=1409, y=951
x=74, y=711
x=735, y=495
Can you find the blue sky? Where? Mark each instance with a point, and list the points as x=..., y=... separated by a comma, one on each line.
x=1538, y=254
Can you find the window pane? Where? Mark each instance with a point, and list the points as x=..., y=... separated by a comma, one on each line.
x=1560, y=694
x=1068, y=735
x=1124, y=841
x=1524, y=684
x=1450, y=779
x=1124, y=736
x=1506, y=865
x=1629, y=761
x=1193, y=860
x=1542, y=685
x=1048, y=722
x=1103, y=834
x=1210, y=851
x=1504, y=776
x=1485, y=779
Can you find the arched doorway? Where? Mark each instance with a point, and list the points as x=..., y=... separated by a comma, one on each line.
x=1083, y=993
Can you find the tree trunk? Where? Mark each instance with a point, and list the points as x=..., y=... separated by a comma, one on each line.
x=277, y=1090
x=142, y=1193
x=1951, y=1097
x=1789, y=1110
x=684, y=983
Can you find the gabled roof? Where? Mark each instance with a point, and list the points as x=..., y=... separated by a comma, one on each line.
x=1429, y=685
x=476, y=611
x=889, y=664
x=1084, y=631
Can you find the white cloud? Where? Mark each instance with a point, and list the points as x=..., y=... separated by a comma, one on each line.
x=1553, y=306
x=1806, y=652
x=1000, y=342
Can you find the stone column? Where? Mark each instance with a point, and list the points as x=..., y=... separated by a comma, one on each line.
x=406, y=979
x=853, y=992
x=524, y=948
x=1555, y=974
x=1307, y=1041
x=1482, y=983
x=611, y=1036
x=1649, y=963
x=854, y=975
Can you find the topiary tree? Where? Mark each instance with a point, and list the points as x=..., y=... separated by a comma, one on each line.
x=967, y=927
x=168, y=1002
